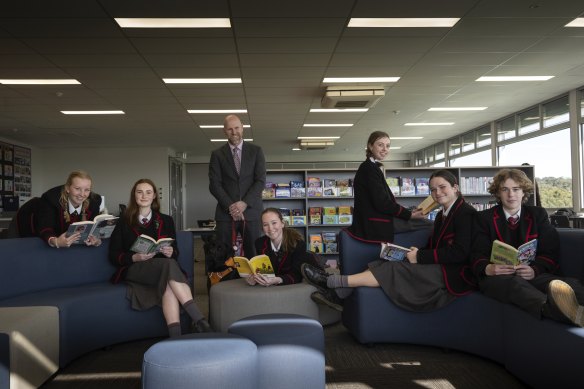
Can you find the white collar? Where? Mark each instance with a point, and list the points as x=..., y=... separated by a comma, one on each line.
x=508, y=215
x=149, y=216
x=445, y=212
x=274, y=248
x=73, y=209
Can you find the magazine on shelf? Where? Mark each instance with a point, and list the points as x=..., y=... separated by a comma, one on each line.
x=101, y=227
x=505, y=254
x=393, y=252
x=258, y=264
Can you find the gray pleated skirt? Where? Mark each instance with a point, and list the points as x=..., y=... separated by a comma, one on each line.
x=413, y=287
x=147, y=281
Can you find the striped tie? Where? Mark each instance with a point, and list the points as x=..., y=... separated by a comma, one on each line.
x=237, y=160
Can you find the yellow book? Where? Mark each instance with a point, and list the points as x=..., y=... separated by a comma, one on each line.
x=505, y=254
x=427, y=205
x=258, y=264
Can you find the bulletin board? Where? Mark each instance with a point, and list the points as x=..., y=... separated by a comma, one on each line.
x=15, y=170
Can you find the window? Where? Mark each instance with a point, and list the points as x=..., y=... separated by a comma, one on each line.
x=529, y=121
x=553, y=175
x=556, y=112
x=454, y=146
x=482, y=158
x=506, y=129
x=468, y=141
x=483, y=136
x=429, y=155
x=439, y=149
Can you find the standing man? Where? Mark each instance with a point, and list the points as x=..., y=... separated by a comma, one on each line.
x=237, y=176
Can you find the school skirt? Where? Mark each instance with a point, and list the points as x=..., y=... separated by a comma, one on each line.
x=147, y=281
x=413, y=287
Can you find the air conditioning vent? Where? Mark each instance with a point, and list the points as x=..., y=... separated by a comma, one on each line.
x=352, y=97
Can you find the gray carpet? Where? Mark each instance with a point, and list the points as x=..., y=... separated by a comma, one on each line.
x=350, y=365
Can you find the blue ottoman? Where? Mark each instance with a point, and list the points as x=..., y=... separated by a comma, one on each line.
x=290, y=349
x=206, y=360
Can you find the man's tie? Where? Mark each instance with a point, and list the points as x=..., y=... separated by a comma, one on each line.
x=513, y=220
x=237, y=160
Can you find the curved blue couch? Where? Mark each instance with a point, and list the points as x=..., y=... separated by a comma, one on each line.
x=93, y=313
x=541, y=353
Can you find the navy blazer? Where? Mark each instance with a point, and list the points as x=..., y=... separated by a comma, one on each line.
x=533, y=223
x=375, y=205
x=450, y=247
x=228, y=187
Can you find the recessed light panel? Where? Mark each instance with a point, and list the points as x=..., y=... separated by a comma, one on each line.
x=173, y=22
x=40, y=82
x=514, y=78
x=402, y=22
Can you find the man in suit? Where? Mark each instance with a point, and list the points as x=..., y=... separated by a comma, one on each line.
x=533, y=286
x=237, y=176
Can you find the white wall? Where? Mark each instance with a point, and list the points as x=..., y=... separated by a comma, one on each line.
x=114, y=170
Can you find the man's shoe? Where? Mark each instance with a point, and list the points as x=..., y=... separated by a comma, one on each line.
x=203, y=326
x=314, y=275
x=327, y=297
x=562, y=304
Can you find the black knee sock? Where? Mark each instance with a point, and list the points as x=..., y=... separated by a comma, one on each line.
x=174, y=330
x=193, y=310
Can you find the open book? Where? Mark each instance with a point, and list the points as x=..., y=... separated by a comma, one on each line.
x=393, y=252
x=145, y=244
x=505, y=254
x=258, y=264
x=101, y=227
x=427, y=205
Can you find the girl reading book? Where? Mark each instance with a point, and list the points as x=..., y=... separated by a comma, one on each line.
x=286, y=249
x=153, y=278
x=431, y=277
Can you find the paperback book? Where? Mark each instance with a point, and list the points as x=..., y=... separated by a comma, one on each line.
x=101, y=227
x=145, y=244
x=505, y=254
x=427, y=205
x=393, y=252
x=258, y=264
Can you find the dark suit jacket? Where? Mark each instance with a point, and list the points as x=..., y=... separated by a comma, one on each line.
x=228, y=187
x=124, y=236
x=375, y=206
x=533, y=223
x=450, y=247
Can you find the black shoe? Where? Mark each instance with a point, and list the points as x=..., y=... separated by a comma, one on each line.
x=314, y=275
x=203, y=326
x=562, y=305
x=327, y=297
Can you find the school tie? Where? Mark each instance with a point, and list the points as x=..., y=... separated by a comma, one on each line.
x=513, y=220
x=74, y=213
x=144, y=221
x=237, y=160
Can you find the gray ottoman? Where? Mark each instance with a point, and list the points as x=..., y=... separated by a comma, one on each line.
x=232, y=300
x=290, y=350
x=206, y=361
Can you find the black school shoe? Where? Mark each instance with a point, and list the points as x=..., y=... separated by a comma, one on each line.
x=314, y=275
x=202, y=326
x=327, y=297
x=562, y=305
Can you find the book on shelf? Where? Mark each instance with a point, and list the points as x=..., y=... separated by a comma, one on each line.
x=427, y=205
x=316, y=244
x=393, y=252
x=315, y=215
x=345, y=214
x=314, y=187
x=101, y=227
x=393, y=183
x=345, y=187
x=269, y=191
x=329, y=183
x=282, y=190
x=297, y=212
x=422, y=186
x=330, y=219
x=258, y=264
x=329, y=210
x=298, y=220
x=505, y=254
x=285, y=212
x=297, y=189
x=331, y=191
x=331, y=248
x=407, y=187
x=328, y=236
x=145, y=244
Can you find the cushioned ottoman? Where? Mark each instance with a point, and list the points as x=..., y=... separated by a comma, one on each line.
x=206, y=361
x=33, y=345
x=232, y=300
x=290, y=350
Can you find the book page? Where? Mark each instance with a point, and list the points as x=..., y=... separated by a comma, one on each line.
x=527, y=252
x=262, y=264
x=242, y=266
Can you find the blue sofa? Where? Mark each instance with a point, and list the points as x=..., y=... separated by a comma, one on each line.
x=541, y=353
x=92, y=313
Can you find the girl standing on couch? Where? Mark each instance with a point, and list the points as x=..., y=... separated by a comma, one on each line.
x=155, y=278
x=432, y=276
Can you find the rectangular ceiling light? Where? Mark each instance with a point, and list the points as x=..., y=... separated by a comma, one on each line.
x=202, y=80
x=578, y=22
x=402, y=22
x=331, y=80
x=454, y=109
x=317, y=137
x=429, y=124
x=339, y=110
x=173, y=22
x=40, y=82
x=514, y=78
x=225, y=140
x=327, y=125
x=405, y=137
x=93, y=112
x=219, y=126
x=217, y=110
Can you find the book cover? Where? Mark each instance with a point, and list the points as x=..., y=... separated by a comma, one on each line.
x=282, y=190
x=299, y=220
x=407, y=187
x=316, y=244
x=330, y=210
x=427, y=205
x=145, y=244
x=329, y=191
x=330, y=219
x=101, y=227
x=393, y=252
x=258, y=264
x=331, y=248
x=269, y=190
x=393, y=183
x=329, y=183
x=297, y=189
x=505, y=254
x=422, y=186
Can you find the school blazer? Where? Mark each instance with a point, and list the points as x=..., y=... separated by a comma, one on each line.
x=533, y=223
x=374, y=206
x=228, y=187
